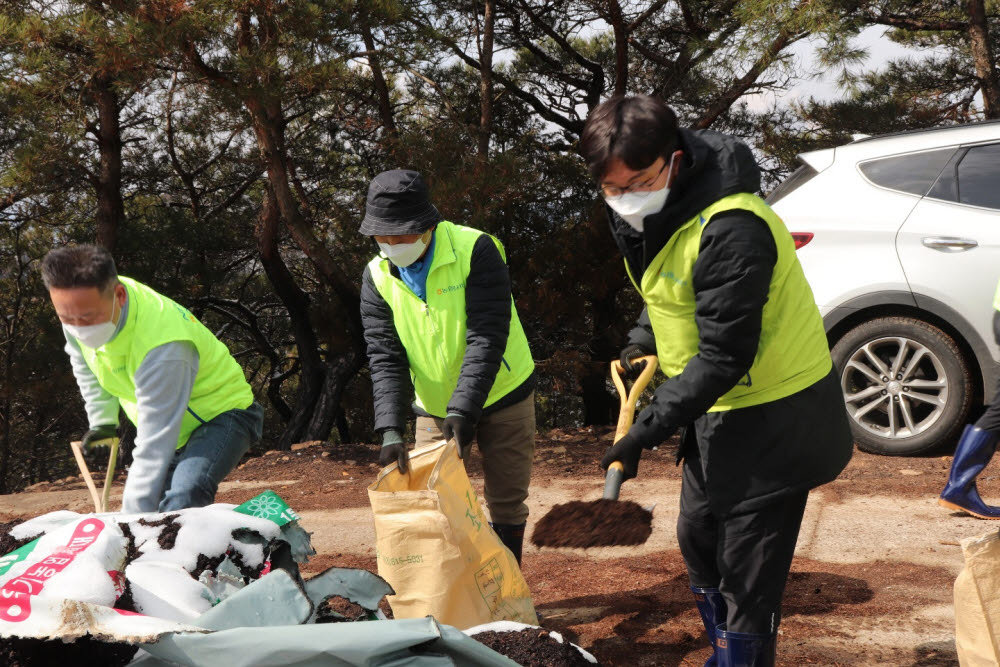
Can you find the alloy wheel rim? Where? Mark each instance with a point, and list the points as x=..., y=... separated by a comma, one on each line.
x=894, y=387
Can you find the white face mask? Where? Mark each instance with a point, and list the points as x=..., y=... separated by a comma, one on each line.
x=633, y=207
x=94, y=335
x=404, y=254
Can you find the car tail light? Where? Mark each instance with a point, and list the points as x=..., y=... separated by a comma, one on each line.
x=801, y=238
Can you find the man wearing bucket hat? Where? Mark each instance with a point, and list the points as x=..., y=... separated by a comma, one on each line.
x=440, y=323
x=734, y=324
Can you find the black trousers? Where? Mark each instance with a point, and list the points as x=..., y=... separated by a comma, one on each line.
x=990, y=421
x=746, y=556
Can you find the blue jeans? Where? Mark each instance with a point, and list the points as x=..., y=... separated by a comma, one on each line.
x=212, y=451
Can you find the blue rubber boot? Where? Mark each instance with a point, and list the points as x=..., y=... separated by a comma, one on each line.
x=712, y=608
x=744, y=649
x=974, y=451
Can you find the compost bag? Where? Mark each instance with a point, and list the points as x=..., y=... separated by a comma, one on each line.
x=436, y=549
x=977, y=602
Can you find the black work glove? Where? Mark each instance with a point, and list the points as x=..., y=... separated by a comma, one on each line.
x=97, y=443
x=628, y=354
x=393, y=450
x=461, y=429
x=627, y=450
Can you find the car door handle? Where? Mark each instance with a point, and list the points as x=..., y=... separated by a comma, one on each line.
x=948, y=243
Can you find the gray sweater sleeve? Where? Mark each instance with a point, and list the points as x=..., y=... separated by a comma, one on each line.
x=163, y=384
x=101, y=407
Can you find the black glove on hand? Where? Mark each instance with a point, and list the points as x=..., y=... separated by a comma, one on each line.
x=393, y=451
x=627, y=450
x=461, y=429
x=97, y=443
x=628, y=354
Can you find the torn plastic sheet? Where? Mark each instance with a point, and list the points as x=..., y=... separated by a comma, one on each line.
x=411, y=642
x=511, y=626
x=225, y=583
x=361, y=587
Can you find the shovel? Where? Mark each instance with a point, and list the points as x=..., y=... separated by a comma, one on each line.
x=100, y=501
x=616, y=471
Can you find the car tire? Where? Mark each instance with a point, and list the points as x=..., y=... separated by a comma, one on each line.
x=921, y=407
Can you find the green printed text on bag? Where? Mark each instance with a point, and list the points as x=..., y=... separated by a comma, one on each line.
x=436, y=549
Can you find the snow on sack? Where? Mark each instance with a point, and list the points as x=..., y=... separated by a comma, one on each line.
x=65, y=583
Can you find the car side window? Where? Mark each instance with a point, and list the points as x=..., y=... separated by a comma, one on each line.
x=979, y=177
x=913, y=173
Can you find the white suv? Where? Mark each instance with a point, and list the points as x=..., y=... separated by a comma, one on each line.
x=899, y=236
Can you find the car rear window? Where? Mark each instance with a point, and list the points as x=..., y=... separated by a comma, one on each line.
x=913, y=173
x=979, y=177
x=971, y=177
x=795, y=180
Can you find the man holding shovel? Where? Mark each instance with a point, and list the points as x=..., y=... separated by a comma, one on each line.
x=736, y=330
x=440, y=322
x=133, y=348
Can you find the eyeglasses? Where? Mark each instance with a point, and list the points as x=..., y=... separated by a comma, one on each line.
x=612, y=191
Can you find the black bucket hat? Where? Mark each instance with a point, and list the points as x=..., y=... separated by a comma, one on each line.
x=398, y=203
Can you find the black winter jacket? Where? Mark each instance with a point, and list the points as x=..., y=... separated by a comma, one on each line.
x=487, y=312
x=750, y=456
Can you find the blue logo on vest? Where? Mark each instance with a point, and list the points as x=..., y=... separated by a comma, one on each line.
x=677, y=280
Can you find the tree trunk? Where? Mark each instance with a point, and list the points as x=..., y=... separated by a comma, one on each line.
x=378, y=77
x=983, y=58
x=313, y=371
x=620, y=31
x=269, y=123
x=110, y=206
x=486, y=81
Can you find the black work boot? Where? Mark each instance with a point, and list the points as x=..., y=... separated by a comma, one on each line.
x=512, y=537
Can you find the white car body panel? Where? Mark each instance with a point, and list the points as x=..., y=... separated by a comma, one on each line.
x=965, y=280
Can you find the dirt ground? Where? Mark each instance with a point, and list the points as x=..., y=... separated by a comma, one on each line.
x=871, y=583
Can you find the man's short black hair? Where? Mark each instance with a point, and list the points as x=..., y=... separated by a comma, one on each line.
x=635, y=130
x=79, y=266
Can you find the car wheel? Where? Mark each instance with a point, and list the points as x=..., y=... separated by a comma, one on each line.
x=907, y=386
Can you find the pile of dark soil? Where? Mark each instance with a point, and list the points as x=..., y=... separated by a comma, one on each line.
x=17, y=652
x=533, y=647
x=597, y=523
x=8, y=543
x=168, y=534
x=337, y=609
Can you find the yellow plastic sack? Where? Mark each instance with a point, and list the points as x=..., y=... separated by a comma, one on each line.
x=977, y=603
x=436, y=549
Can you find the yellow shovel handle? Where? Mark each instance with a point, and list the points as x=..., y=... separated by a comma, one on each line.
x=628, y=399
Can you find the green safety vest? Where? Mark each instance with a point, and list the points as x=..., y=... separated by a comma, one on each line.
x=433, y=333
x=792, y=353
x=155, y=320
x=996, y=298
